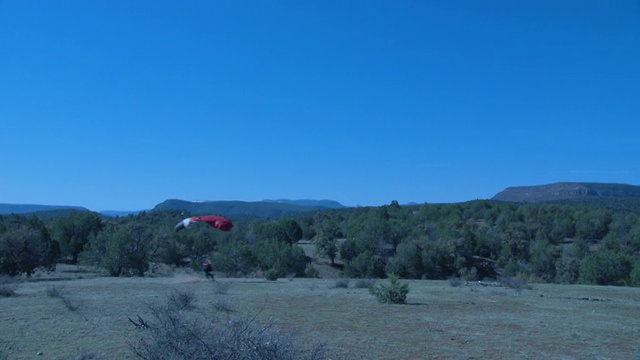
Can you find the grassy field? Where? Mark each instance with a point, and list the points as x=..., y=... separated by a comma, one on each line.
x=78, y=315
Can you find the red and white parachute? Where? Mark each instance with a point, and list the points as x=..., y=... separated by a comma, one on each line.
x=218, y=222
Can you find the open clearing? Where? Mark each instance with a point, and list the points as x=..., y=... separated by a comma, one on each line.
x=439, y=322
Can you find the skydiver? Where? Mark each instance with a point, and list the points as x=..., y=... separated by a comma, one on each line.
x=208, y=269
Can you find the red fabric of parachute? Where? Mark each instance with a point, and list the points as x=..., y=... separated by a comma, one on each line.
x=218, y=222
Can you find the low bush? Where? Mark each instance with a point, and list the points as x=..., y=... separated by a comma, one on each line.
x=455, y=281
x=182, y=299
x=393, y=293
x=7, y=290
x=516, y=283
x=364, y=283
x=222, y=306
x=173, y=334
x=222, y=287
x=8, y=286
x=272, y=274
x=310, y=271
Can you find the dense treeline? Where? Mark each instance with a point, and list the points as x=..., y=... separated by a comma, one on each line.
x=474, y=240
x=550, y=243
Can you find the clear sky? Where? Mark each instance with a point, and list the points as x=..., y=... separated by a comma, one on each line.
x=120, y=105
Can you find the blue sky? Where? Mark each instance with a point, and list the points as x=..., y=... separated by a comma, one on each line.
x=119, y=105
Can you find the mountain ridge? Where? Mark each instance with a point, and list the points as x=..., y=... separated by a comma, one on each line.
x=569, y=193
x=260, y=209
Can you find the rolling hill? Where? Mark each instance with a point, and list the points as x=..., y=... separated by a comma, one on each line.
x=33, y=208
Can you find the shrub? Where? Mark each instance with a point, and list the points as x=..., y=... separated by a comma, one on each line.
x=341, y=284
x=272, y=274
x=455, y=281
x=517, y=283
x=310, y=271
x=8, y=286
x=605, y=268
x=394, y=293
x=53, y=291
x=222, y=287
x=222, y=306
x=7, y=290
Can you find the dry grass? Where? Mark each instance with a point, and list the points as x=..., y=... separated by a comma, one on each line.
x=438, y=321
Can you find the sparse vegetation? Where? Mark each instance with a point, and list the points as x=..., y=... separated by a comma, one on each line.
x=353, y=321
x=173, y=335
x=182, y=300
x=364, y=283
x=516, y=283
x=56, y=292
x=341, y=284
x=90, y=355
x=222, y=287
x=223, y=306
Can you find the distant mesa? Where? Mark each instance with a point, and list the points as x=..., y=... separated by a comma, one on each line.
x=567, y=191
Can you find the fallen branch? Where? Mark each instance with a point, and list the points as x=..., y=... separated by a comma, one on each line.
x=140, y=324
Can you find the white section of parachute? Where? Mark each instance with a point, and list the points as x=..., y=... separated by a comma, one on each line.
x=186, y=222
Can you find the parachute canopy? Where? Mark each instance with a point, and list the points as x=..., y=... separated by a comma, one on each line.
x=218, y=222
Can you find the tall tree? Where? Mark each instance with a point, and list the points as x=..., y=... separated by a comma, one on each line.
x=26, y=245
x=73, y=232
